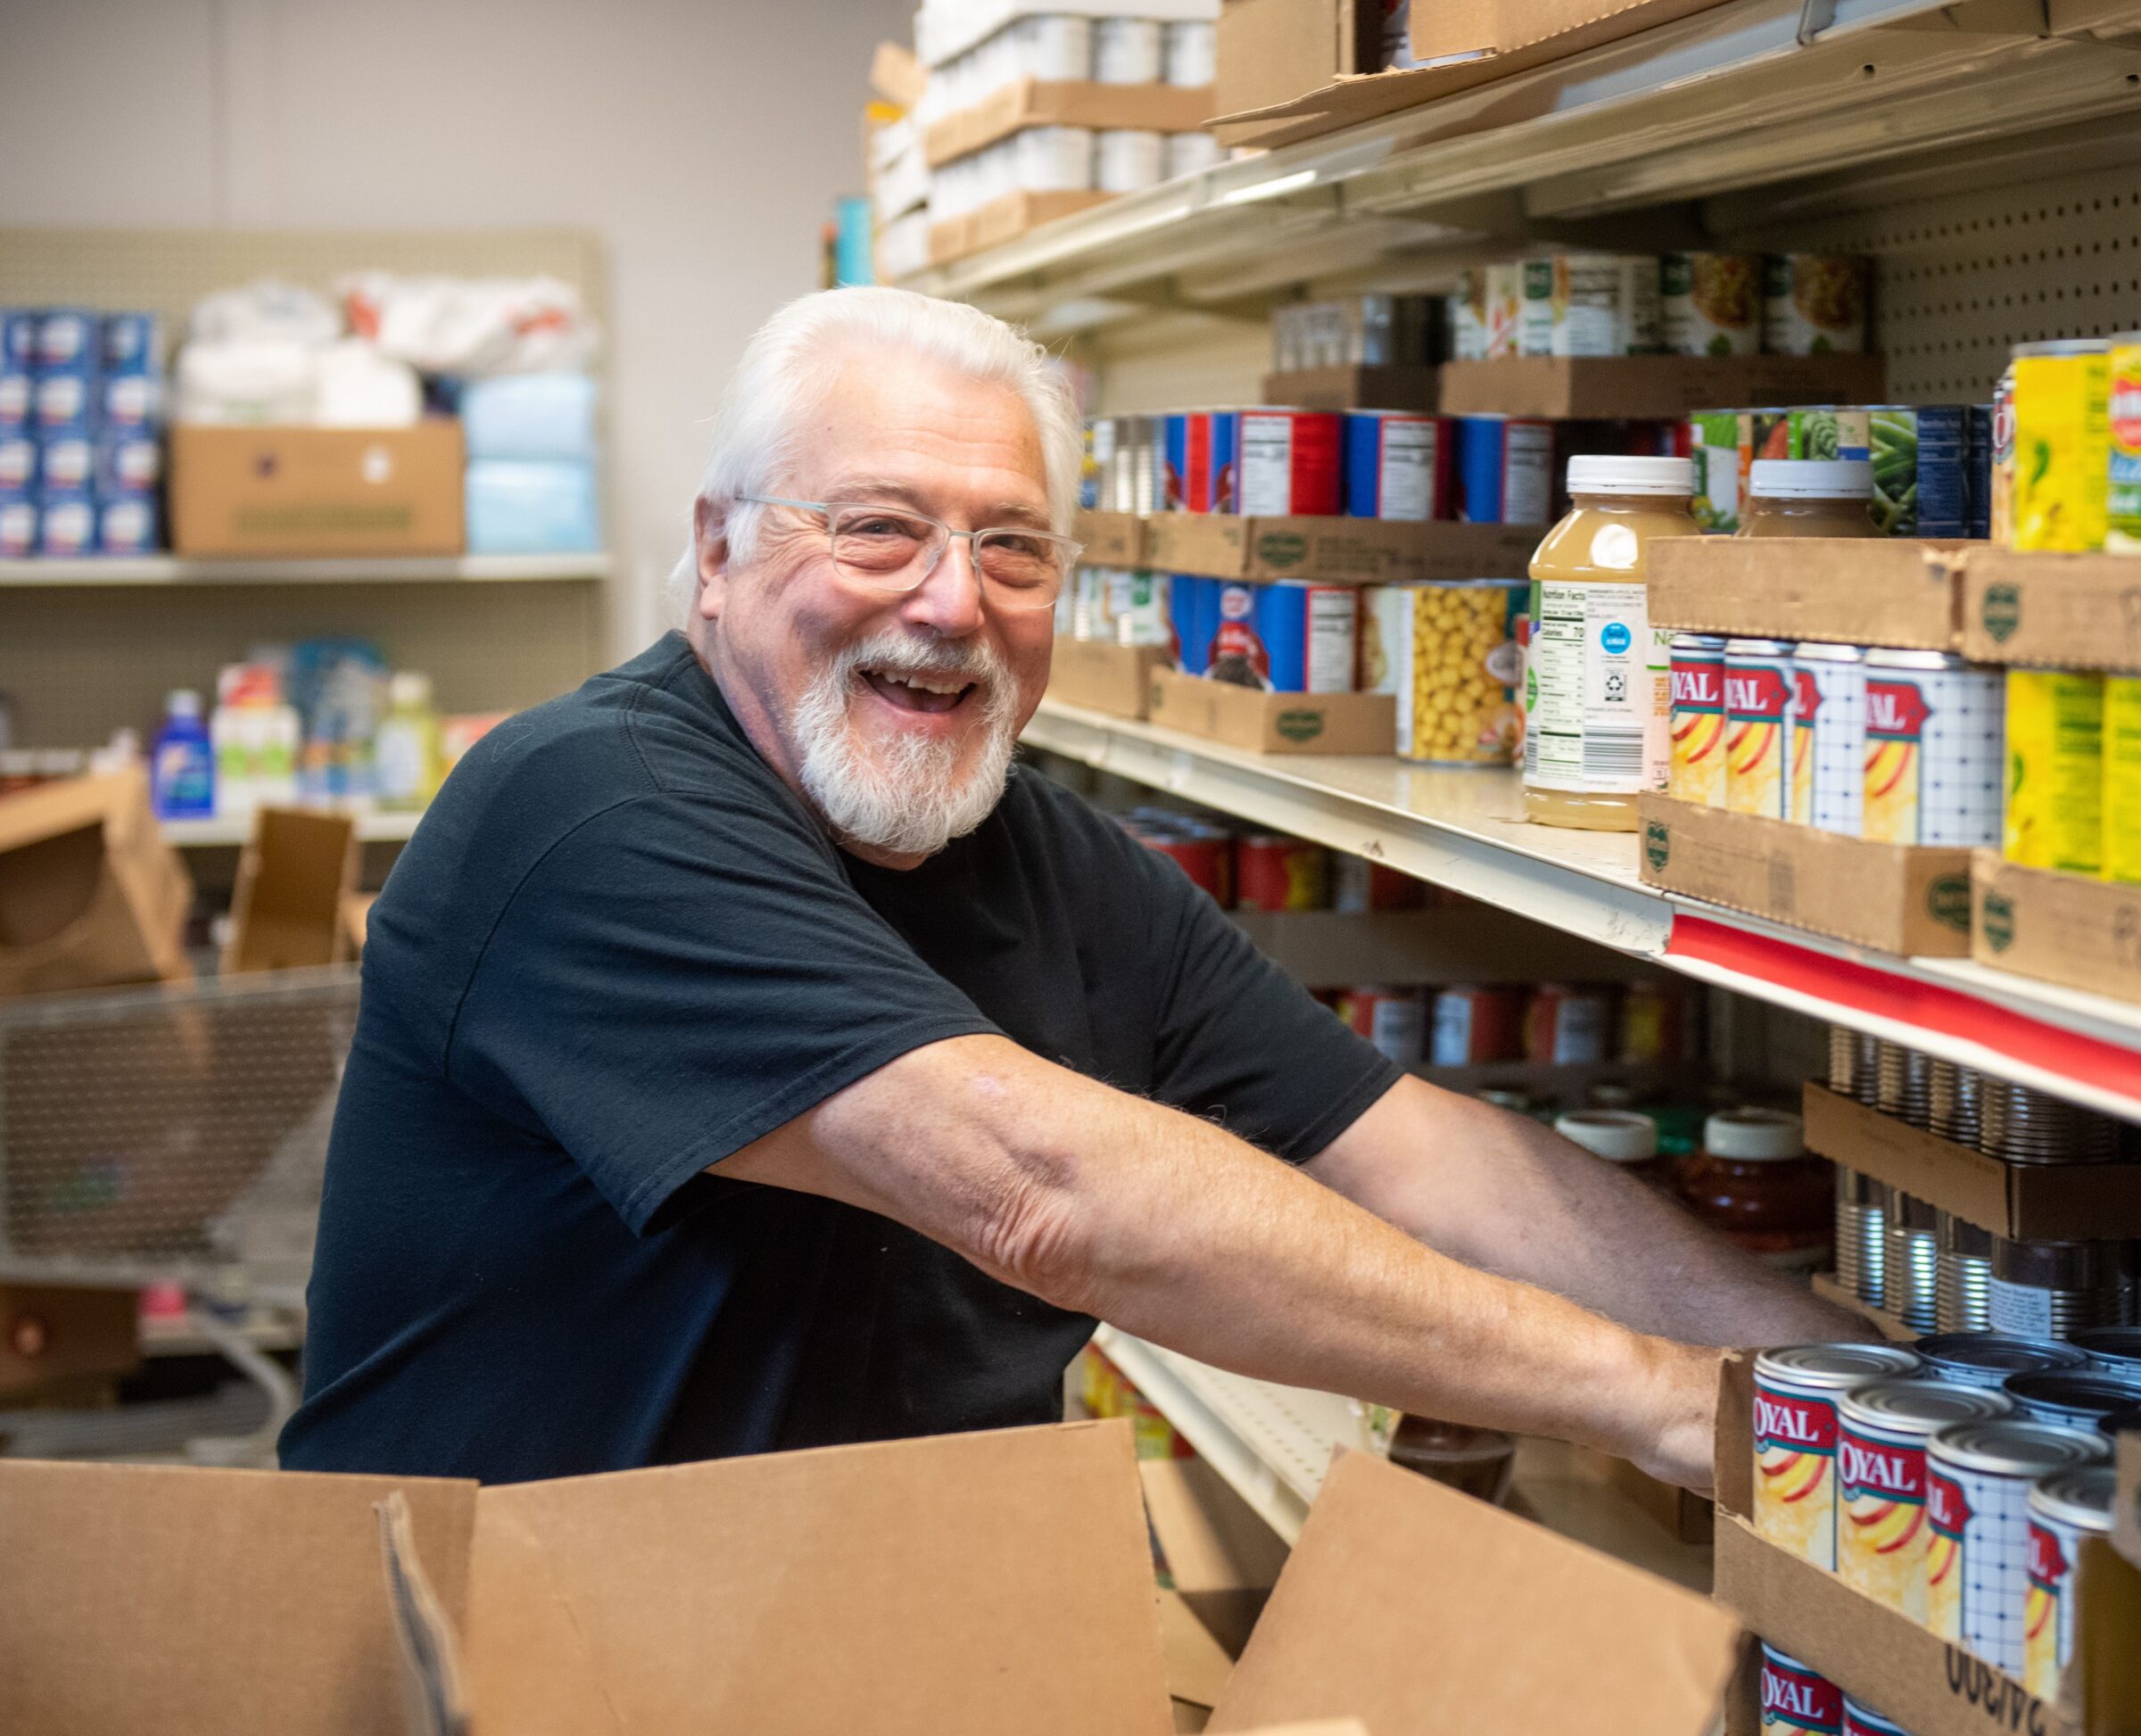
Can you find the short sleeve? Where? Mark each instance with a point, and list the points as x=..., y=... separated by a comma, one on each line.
x=1240, y=1042
x=679, y=975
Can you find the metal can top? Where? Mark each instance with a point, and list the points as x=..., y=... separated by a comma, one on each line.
x=1778, y=1656
x=2064, y=346
x=1975, y=1355
x=1861, y=1717
x=1757, y=648
x=2009, y=1447
x=2072, y=1396
x=1808, y=651
x=1699, y=642
x=1832, y=1367
x=1919, y=1407
x=2081, y=1498
x=1883, y=656
x=2117, y=1348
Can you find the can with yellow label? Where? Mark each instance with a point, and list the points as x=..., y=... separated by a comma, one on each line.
x=1697, y=719
x=2121, y=809
x=2054, y=813
x=2122, y=502
x=1757, y=726
x=2061, y=444
x=1935, y=749
x=2065, y=1508
x=1797, y=1388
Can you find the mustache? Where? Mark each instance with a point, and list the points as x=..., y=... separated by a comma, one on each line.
x=902, y=653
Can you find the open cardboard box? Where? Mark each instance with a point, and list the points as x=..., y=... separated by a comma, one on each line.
x=2023, y=1202
x=1852, y=591
x=1881, y=1656
x=2067, y=929
x=1104, y=676
x=1335, y=551
x=296, y=872
x=1355, y=386
x=1615, y=386
x=1003, y=220
x=2126, y=1518
x=1905, y=898
x=1038, y=103
x=2057, y=611
x=1273, y=723
x=978, y=1583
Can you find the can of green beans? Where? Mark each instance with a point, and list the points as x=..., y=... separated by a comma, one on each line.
x=1920, y=455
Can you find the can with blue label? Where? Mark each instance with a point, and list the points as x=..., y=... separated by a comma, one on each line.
x=1976, y=483
x=1505, y=469
x=1200, y=458
x=1291, y=637
x=18, y=524
x=18, y=463
x=63, y=461
x=130, y=401
x=1921, y=463
x=18, y=396
x=127, y=463
x=132, y=343
x=1399, y=464
x=66, y=341
x=66, y=521
x=62, y=404
x=18, y=339
x=1186, y=595
x=126, y=525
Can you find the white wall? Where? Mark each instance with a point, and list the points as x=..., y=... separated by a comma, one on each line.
x=703, y=139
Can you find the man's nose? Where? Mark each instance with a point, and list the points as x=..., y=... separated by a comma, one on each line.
x=949, y=600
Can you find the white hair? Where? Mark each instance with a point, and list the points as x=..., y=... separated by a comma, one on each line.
x=786, y=364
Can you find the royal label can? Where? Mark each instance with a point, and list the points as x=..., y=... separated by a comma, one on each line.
x=1795, y=1701
x=1697, y=719
x=2061, y=462
x=2122, y=433
x=1199, y=457
x=1861, y=1720
x=1567, y=1026
x=1829, y=737
x=1399, y=464
x=1815, y=303
x=1757, y=723
x=1505, y=469
x=1393, y=1020
x=1795, y=1428
x=1287, y=463
x=1883, y=1427
x=2122, y=815
x=1977, y=1480
x=2054, y=809
x=1711, y=303
x=1471, y=1025
x=2065, y=1508
x=1935, y=749
x=1290, y=637
x=1275, y=873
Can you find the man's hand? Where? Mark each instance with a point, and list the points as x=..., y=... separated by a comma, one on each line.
x=1682, y=1425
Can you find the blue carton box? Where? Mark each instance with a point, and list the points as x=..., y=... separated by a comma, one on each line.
x=64, y=405
x=66, y=521
x=18, y=524
x=66, y=341
x=127, y=524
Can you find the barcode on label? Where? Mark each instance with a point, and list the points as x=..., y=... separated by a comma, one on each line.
x=1613, y=754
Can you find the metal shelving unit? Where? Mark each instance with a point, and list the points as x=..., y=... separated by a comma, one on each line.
x=373, y=828
x=180, y=569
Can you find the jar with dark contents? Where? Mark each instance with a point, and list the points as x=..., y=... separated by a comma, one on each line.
x=1475, y=1461
x=1755, y=1181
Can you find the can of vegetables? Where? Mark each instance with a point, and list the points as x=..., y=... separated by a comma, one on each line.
x=1920, y=455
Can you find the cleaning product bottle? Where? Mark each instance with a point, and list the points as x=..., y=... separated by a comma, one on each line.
x=182, y=769
x=407, y=753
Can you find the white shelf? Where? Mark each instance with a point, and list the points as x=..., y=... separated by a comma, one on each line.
x=1465, y=829
x=177, y=569
x=380, y=827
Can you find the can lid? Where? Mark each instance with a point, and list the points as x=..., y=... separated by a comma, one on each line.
x=1598, y=473
x=1778, y=1655
x=2081, y=1498
x=1758, y=648
x=1804, y=479
x=1820, y=653
x=1697, y=642
x=1997, y=1352
x=2112, y=1347
x=1834, y=1368
x=1918, y=1406
x=1859, y=1716
x=2009, y=1447
x=1759, y=1136
x=1619, y=1136
x=2076, y=1393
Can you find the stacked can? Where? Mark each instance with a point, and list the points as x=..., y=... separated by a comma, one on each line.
x=1828, y=737
x=1957, y=1110
x=1795, y=1701
x=1697, y=771
x=1797, y=1390
x=1399, y=464
x=1963, y=1285
x=2072, y=1398
x=2052, y=447
x=1393, y=1020
x=1469, y=1025
x=1861, y=1720
x=1276, y=872
x=1861, y=1235
x=1202, y=850
x=1288, y=462
x=2055, y=806
x=1505, y=469
x=1935, y=742
x=1198, y=461
x=1448, y=653
x=1911, y=1268
x=2116, y=1350
x=1589, y=304
x=1990, y=1358
x=1711, y=303
x=2065, y=1508
x=80, y=459
x=1815, y=303
x=2122, y=419
x=2053, y=1289
x=1757, y=725
x=1289, y=637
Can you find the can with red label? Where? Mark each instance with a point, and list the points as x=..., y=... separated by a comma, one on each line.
x=1795, y=1701
x=1829, y=737
x=1199, y=458
x=1475, y=1024
x=1862, y=1720
x=1399, y=464
x=2065, y=1508
x=1757, y=721
x=1936, y=753
x=1797, y=1388
x=1273, y=871
x=1881, y=1480
x=1287, y=462
x=1392, y=1019
x=1290, y=637
x=1205, y=854
x=1567, y=1027
x=1359, y=886
x=1697, y=719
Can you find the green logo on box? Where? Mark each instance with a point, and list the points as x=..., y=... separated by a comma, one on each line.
x=1997, y=918
x=1947, y=902
x=1300, y=725
x=1657, y=844
x=1282, y=550
x=2003, y=611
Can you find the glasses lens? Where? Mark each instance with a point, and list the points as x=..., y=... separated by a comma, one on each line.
x=1022, y=565
x=874, y=543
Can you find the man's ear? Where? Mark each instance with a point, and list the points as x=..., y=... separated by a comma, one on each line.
x=709, y=537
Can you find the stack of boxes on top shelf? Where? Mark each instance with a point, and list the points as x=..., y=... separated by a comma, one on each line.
x=81, y=403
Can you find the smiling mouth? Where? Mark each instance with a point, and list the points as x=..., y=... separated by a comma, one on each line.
x=913, y=692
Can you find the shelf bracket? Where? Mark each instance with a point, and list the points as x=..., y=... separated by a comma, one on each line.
x=1814, y=17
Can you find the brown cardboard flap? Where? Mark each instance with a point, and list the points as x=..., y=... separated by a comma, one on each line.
x=2105, y=1690
x=1112, y=538
x=1272, y=52
x=195, y=1603
x=433, y=1698
x=1221, y=1555
x=53, y=1332
x=1337, y=551
x=2062, y=611
x=1654, y=386
x=1004, y=219
x=896, y=75
x=1274, y=722
x=287, y=910
x=2065, y=929
x=1733, y=1470
x=1567, y=27
x=1037, y=103
x=1869, y=591
x=1197, y=1665
x=1102, y=676
x=1414, y=1608
x=1355, y=388
x=1904, y=898
x=2025, y=1201
x=976, y=1583
x=299, y=492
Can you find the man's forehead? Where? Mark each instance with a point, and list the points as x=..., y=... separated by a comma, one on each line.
x=882, y=487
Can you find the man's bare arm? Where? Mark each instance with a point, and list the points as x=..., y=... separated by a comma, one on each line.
x=1503, y=1193
x=1176, y=1230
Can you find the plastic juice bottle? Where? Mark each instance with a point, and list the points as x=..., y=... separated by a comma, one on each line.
x=182, y=767
x=407, y=753
x=1597, y=686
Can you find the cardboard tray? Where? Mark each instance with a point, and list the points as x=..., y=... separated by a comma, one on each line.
x=2125, y=1517
x=1336, y=550
x=1355, y=388
x=2058, y=611
x=1038, y=103
x=1904, y=898
x=1102, y=676
x=2067, y=929
x=1110, y=539
x=1005, y=220
x=2023, y=1202
x=304, y=491
x=1655, y=386
x=1273, y=723
x=1848, y=591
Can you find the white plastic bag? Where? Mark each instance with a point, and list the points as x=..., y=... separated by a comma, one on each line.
x=267, y=310
x=472, y=327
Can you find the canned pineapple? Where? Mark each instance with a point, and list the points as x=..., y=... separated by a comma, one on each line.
x=1795, y=1430
x=2120, y=853
x=2055, y=815
x=1697, y=719
x=1934, y=742
x=2061, y=464
x=1757, y=719
x=2122, y=500
x=1451, y=653
x=2065, y=1508
x=1797, y=1701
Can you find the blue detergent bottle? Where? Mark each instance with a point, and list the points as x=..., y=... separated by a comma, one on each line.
x=182, y=766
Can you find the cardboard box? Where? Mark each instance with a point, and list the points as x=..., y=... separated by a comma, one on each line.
x=2066, y=928
x=1354, y=387
x=1860, y=591
x=1110, y=539
x=1220, y=1557
x=1005, y=220
x=1336, y=550
x=293, y=875
x=90, y=894
x=300, y=492
x=49, y=1332
x=1654, y=386
x=1273, y=51
x=1273, y=723
x=2023, y=1202
x=2125, y=1517
x=2058, y=611
x=1100, y=676
x=1037, y=103
x=1906, y=898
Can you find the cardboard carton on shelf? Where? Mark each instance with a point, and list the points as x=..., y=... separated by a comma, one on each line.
x=1263, y=723
x=1336, y=550
x=1104, y=676
x=1850, y=590
x=1274, y=52
x=1355, y=386
x=1110, y=539
x=2023, y=1202
x=1655, y=386
x=1003, y=220
x=2067, y=929
x=54, y=1333
x=301, y=492
x=978, y=1583
x=1902, y=899
x=1038, y=103
x=295, y=874
x=2053, y=611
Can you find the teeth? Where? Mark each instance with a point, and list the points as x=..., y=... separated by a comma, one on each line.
x=926, y=687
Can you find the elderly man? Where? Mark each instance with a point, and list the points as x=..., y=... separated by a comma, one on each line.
x=750, y=1060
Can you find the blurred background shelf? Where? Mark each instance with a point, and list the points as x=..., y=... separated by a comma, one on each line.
x=177, y=569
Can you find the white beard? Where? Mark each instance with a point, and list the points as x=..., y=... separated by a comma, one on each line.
x=905, y=795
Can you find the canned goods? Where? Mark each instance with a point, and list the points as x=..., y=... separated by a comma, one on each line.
x=1920, y=459
x=1986, y=1359
x=1287, y=462
x=127, y=463
x=1359, y=886
x=1206, y=855
x=2122, y=433
x=2065, y=1508
x=1795, y=1701
x=1976, y=480
x=1290, y=637
x=1589, y=304
x=1861, y=1720
x=66, y=522
x=1399, y=464
x=2055, y=811
x=1813, y=304
x=1757, y=718
x=1536, y=306
x=1882, y=1429
x=131, y=344
x=1854, y=1063
x=18, y=339
x=1199, y=457
x=2051, y=1289
x=1504, y=469
x=1861, y=1235
x=126, y=523
x=18, y=526
x=1958, y=1105
x=1272, y=872
x=2060, y=467
x=2072, y=1398
x=1977, y=1480
x=2115, y=1350
x=1474, y=1025
x=1934, y=742
x=1829, y=737
x=1139, y=609
x=2120, y=837
x=1567, y=1026
x=66, y=341
x=1711, y=303
x=1713, y=441
x=18, y=463
x=1697, y=719
x=61, y=404
x=64, y=462
x=1962, y=1281
x=1796, y=1388
x=1654, y=1022
x=1392, y=1019
x=130, y=401
x=1188, y=596
x=2020, y=1125
x=1451, y=653
x=16, y=393
x=1910, y=1267
x=1903, y=1083
x=1127, y=51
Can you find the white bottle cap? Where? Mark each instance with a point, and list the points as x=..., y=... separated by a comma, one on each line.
x=1802, y=479
x=1598, y=473
x=183, y=702
x=408, y=687
x=1620, y=1136
x=1756, y=1135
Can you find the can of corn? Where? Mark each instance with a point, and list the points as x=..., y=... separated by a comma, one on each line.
x=2121, y=851
x=1449, y=653
x=2054, y=810
x=2061, y=444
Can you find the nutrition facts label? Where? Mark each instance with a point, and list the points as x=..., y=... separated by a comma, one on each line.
x=1598, y=679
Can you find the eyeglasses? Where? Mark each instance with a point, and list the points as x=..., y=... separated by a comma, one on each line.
x=893, y=549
